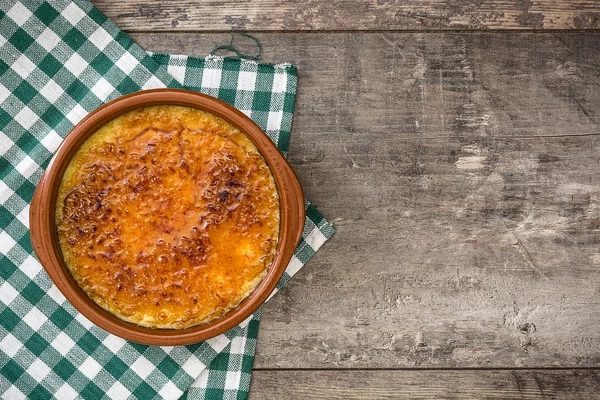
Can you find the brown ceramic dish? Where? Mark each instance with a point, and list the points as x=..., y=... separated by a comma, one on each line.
x=45, y=240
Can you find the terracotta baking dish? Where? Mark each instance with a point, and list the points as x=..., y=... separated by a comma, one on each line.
x=45, y=240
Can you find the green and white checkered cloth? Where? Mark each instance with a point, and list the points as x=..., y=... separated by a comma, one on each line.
x=59, y=60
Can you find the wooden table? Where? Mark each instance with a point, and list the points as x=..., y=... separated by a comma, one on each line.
x=455, y=146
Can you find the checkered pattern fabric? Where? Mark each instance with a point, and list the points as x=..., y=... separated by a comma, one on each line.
x=228, y=376
x=59, y=60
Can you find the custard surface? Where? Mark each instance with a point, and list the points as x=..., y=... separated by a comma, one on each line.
x=168, y=217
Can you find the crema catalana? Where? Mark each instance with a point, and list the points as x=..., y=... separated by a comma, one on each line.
x=168, y=217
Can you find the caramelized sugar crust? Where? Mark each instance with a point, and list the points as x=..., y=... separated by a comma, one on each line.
x=168, y=217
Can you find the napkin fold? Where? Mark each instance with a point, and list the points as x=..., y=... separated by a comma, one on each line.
x=59, y=60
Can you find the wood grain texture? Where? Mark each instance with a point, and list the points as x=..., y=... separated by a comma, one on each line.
x=462, y=174
x=316, y=15
x=537, y=384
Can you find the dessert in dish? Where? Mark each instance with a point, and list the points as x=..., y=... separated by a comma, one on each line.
x=168, y=216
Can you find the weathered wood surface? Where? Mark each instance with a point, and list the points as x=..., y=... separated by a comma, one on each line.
x=462, y=174
x=538, y=384
x=328, y=15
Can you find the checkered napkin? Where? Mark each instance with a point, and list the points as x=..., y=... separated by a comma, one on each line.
x=60, y=60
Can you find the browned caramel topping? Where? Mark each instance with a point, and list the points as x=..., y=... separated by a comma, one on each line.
x=168, y=217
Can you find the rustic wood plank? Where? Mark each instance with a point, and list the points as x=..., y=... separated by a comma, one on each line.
x=430, y=85
x=462, y=174
x=538, y=384
x=314, y=15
